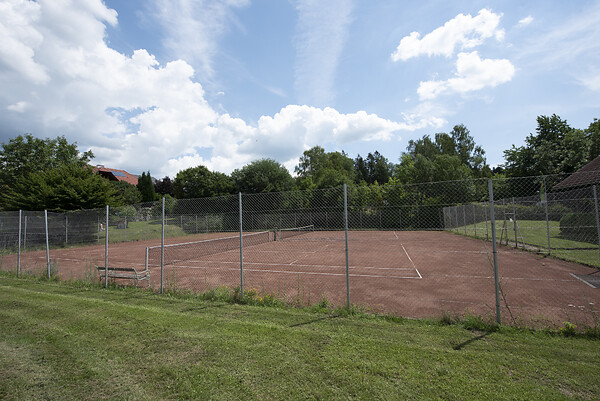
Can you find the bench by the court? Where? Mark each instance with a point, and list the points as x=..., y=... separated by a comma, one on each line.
x=129, y=273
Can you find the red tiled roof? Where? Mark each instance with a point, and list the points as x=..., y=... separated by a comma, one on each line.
x=114, y=174
x=585, y=176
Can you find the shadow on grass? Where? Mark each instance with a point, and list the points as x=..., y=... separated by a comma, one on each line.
x=315, y=320
x=472, y=340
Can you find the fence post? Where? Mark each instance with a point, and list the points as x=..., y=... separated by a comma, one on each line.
x=515, y=222
x=464, y=218
x=241, y=249
x=346, y=230
x=19, y=251
x=66, y=229
x=547, y=217
x=162, y=246
x=487, y=237
x=106, y=249
x=597, y=216
x=495, y=250
x=47, y=243
x=474, y=220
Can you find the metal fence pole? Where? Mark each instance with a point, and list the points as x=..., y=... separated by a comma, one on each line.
x=162, y=247
x=547, y=216
x=495, y=250
x=347, y=260
x=106, y=249
x=241, y=249
x=47, y=243
x=66, y=229
x=464, y=218
x=19, y=251
x=597, y=216
x=515, y=222
x=487, y=238
x=474, y=220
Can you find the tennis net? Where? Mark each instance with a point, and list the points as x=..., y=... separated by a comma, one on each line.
x=175, y=253
x=284, y=233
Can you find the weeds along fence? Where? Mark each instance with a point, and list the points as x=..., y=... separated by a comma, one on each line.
x=417, y=250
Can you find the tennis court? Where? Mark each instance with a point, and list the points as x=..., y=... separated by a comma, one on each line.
x=408, y=273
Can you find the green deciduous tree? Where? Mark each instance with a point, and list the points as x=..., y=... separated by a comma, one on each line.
x=200, y=182
x=555, y=148
x=265, y=175
x=62, y=188
x=125, y=193
x=164, y=186
x=318, y=169
x=24, y=155
x=593, y=133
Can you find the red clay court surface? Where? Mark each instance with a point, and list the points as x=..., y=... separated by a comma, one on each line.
x=407, y=273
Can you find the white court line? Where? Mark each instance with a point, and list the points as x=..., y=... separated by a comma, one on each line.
x=580, y=279
x=313, y=273
x=287, y=264
x=395, y=234
x=411, y=261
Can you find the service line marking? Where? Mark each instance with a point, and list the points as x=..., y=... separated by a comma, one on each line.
x=411, y=261
x=580, y=279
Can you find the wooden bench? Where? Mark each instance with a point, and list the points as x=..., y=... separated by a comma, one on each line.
x=124, y=272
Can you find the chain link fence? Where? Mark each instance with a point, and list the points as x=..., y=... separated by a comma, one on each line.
x=415, y=250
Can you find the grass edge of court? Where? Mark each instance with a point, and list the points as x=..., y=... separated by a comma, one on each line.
x=227, y=295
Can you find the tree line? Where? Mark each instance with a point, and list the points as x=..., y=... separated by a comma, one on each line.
x=37, y=174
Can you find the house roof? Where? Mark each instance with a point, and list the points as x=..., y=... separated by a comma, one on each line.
x=585, y=176
x=114, y=174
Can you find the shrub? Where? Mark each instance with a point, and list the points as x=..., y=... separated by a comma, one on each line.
x=579, y=227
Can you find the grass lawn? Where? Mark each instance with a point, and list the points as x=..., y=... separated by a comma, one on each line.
x=75, y=341
x=139, y=231
x=535, y=233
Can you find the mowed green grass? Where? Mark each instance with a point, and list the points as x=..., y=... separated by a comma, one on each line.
x=535, y=233
x=75, y=341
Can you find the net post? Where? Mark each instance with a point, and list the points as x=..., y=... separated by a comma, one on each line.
x=19, y=251
x=547, y=216
x=47, y=243
x=346, y=231
x=241, y=248
x=495, y=250
x=146, y=260
x=106, y=249
x=162, y=246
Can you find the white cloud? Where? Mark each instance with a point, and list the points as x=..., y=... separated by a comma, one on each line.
x=193, y=28
x=463, y=31
x=320, y=37
x=18, y=107
x=526, y=21
x=140, y=115
x=472, y=73
x=590, y=81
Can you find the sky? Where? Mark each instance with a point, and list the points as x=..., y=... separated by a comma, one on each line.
x=163, y=85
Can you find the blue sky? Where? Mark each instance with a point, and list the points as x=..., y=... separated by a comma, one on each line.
x=164, y=85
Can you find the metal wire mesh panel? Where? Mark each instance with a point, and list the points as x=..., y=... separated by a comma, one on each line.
x=306, y=262
x=418, y=250
x=198, y=232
